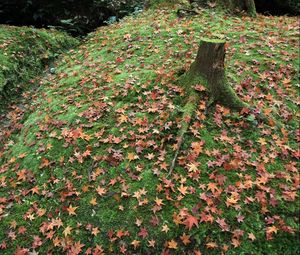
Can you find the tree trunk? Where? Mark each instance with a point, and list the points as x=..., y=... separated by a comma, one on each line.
x=250, y=8
x=247, y=6
x=208, y=70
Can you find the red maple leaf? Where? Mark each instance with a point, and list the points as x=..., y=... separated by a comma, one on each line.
x=190, y=221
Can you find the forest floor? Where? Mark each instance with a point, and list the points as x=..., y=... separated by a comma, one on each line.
x=84, y=161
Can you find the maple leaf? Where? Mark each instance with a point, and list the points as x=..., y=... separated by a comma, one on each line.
x=212, y=187
x=143, y=233
x=22, y=175
x=224, y=226
x=35, y=190
x=251, y=236
x=13, y=224
x=185, y=239
x=40, y=212
x=56, y=241
x=67, y=231
x=190, y=221
x=271, y=230
x=235, y=242
x=197, y=147
x=199, y=87
x=71, y=210
x=231, y=201
x=197, y=252
x=192, y=167
x=120, y=233
x=37, y=241
x=93, y=201
x=177, y=219
x=22, y=230
x=131, y=156
x=165, y=228
x=158, y=201
x=21, y=251
x=182, y=189
x=211, y=245
x=135, y=244
x=123, y=118
x=95, y=231
x=172, y=245
x=123, y=249
x=151, y=243
x=101, y=191
x=150, y=156
x=76, y=248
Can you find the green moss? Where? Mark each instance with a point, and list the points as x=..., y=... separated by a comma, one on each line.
x=129, y=70
x=25, y=52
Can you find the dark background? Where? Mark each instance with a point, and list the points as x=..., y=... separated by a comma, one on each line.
x=79, y=17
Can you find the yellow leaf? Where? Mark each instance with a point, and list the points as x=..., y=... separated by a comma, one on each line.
x=67, y=231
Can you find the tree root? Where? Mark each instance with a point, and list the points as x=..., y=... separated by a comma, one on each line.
x=188, y=112
x=208, y=70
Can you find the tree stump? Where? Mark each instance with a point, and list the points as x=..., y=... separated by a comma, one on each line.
x=208, y=70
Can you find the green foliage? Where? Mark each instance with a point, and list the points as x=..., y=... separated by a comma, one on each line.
x=24, y=52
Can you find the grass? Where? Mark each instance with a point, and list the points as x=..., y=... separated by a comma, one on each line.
x=109, y=119
x=24, y=52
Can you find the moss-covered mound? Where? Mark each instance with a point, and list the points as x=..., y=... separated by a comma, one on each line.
x=88, y=171
x=24, y=52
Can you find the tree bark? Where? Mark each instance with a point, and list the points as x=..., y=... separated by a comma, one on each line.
x=208, y=69
x=250, y=8
x=247, y=6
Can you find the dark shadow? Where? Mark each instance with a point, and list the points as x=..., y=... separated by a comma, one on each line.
x=77, y=17
x=278, y=7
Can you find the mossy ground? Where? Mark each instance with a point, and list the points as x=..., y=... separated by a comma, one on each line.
x=24, y=52
x=100, y=134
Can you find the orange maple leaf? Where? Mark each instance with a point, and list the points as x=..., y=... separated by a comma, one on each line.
x=131, y=156
x=185, y=239
x=190, y=221
x=172, y=245
x=95, y=231
x=182, y=189
x=211, y=245
x=71, y=210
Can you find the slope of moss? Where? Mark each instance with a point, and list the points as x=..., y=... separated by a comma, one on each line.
x=25, y=51
x=88, y=171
